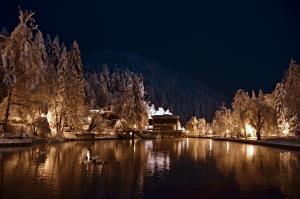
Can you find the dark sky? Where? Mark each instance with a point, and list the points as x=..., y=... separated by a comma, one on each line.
x=224, y=44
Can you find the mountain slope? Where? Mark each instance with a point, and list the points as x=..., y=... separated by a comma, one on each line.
x=164, y=87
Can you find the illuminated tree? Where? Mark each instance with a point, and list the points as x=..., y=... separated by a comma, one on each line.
x=74, y=88
x=202, y=126
x=136, y=110
x=122, y=92
x=240, y=102
x=3, y=90
x=23, y=65
x=258, y=115
x=290, y=96
x=223, y=121
x=191, y=125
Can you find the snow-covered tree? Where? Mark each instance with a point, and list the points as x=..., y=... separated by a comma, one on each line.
x=223, y=121
x=136, y=109
x=191, y=125
x=122, y=92
x=259, y=116
x=290, y=96
x=23, y=65
x=75, y=98
x=240, y=102
x=202, y=126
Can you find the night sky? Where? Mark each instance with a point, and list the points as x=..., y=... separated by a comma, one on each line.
x=226, y=45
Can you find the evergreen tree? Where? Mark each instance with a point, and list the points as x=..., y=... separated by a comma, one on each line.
x=137, y=112
x=22, y=63
x=288, y=98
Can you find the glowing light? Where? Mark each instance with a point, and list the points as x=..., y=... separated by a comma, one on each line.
x=49, y=117
x=89, y=118
x=250, y=150
x=285, y=128
x=95, y=111
x=250, y=130
x=16, y=118
x=210, y=131
x=51, y=121
x=227, y=146
x=210, y=145
x=88, y=155
x=227, y=131
x=85, y=127
x=187, y=143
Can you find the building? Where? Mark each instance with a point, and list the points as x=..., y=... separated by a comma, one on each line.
x=166, y=124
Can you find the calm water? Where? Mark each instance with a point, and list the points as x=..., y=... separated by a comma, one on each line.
x=167, y=168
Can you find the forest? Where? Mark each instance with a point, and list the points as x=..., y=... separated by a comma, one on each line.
x=164, y=86
x=259, y=114
x=44, y=89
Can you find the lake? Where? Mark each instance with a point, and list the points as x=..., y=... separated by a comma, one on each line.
x=162, y=168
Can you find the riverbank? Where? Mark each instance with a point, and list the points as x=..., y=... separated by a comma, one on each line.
x=21, y=141
x=291, y=143
x=11, y=142
x=97, y=137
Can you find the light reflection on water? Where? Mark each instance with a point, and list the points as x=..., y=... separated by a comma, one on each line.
x=158, y=164
x=250, y=151
x=166, y=168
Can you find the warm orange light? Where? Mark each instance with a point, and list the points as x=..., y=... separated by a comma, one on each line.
x=250, y=150
x=285, y=128
x=250, y=130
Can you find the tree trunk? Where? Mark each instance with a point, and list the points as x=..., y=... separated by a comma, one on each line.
x=6, y=116
x=245, y=132
x=260, y=122
x=258, y=134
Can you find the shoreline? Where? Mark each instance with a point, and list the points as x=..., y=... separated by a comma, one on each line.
x=275, y=143
x=15, y=142
x=283, y=143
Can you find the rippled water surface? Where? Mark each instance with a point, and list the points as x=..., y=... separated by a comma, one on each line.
x=166, y=168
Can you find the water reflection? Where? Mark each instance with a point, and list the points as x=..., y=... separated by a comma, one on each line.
x=180, y=168
x=227, y=147
x=158, y=164
x=250, y=150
